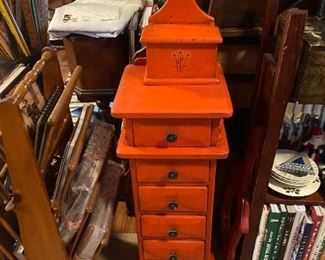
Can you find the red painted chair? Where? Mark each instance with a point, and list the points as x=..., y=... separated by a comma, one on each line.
x=235, y=210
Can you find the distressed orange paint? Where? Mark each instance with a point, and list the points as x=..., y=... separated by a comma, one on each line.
x=173, y=109
x=181, y=44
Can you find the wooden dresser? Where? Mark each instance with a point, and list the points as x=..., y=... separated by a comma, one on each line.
x=173, y=132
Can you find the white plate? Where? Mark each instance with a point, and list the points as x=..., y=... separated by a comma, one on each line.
x=290, y=182
x=282, y=156
x=294, y=191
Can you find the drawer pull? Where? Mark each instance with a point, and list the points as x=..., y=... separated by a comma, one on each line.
x=172, y=205
x=172, y=233
x=172, y=175
x=171, y=137
x=173, y=256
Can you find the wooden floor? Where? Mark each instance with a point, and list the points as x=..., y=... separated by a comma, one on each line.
x=122, y=222
x=123, y=243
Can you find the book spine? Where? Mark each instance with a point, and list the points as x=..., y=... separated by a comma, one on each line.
x=272, y=221
x=318, y=241
x=261, y=234
x=264, y=242
x=322, y=247
x=286, y=235
x=293, y=235
x=280, y=235
x=304, y=240
x=272, y=233
x=297, y=241
x=317, y=222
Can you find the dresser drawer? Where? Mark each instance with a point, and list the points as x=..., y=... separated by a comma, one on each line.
x=173, y=199
x=165, y=250
x=173, y=226
x=173, y=171
x=172, y=132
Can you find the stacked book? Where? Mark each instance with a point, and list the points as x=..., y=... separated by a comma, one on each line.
x=291, y=232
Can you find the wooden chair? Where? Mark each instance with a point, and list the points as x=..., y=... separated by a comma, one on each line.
x=240, y=200
x=285, y=66
x=236, y=204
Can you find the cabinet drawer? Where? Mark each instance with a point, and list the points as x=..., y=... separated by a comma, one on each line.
x=173, y=199
x=173, y=226
x=172, y=132
x=181, y=250
x=174, y=171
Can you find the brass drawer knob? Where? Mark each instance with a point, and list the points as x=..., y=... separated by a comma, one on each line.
x=171, y=137
x=172, y=175
x=173, y=256
x=172, y=233
x=172, y=205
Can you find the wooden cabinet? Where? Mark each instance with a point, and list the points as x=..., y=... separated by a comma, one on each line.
x=173, y=134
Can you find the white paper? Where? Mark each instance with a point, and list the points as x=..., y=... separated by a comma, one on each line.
x=95, y=18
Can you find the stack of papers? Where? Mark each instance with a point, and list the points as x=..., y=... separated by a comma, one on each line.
x=95, y=18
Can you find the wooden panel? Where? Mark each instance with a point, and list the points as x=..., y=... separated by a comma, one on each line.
x=174, y=171
x=173, y=226
x=200, y=63
x=241, y=89
x=232, y=13
x=239, y=58
x=317, y=198
x=103, y=66
x=184, y=199
x=188, y=132
x=183, y=250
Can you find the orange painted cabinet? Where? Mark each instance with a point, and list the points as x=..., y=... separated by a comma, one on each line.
x=173, y=132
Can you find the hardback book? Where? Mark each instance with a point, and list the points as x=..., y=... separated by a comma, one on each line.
x=272, y=226
x=317, y=218
x=300, y=213
x=318, y=246
x=302, y=239
x=291, y=210
x=280, y=233
x=261, y=233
